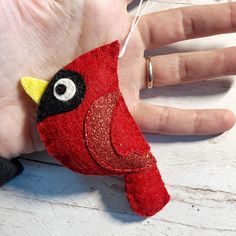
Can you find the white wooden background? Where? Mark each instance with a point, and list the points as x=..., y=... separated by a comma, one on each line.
x=200, y=173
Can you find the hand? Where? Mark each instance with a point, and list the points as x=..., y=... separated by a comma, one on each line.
x=38, y=38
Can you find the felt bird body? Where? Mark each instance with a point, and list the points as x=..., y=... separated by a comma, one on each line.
x=84, y=123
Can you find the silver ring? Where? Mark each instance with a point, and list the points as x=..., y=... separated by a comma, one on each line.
x=149, y=73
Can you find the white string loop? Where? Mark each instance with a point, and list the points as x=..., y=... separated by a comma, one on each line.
x=134, y=25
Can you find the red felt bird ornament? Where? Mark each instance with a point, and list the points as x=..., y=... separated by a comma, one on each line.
x=85, y=124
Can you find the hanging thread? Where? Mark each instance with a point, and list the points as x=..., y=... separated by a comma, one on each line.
x=134, y=24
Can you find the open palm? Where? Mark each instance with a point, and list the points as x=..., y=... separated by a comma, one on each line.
x=40, y=37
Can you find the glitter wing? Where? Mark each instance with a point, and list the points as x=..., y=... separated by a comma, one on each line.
x=98, y=138
x=125, y=134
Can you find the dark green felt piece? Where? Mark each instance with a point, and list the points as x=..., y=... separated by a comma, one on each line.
x=9, y=169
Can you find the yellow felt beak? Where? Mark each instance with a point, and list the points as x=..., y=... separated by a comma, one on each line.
x=34, y=87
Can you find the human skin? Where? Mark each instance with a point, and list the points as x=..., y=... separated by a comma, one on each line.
x=40, y=37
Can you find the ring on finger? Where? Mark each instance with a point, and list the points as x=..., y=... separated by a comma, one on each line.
x=149, y=73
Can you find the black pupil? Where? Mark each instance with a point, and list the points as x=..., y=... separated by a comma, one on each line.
x=60, y=89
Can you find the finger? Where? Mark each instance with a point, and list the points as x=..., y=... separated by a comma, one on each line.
x=190, y=67
x=173, y=121
x=170, y=26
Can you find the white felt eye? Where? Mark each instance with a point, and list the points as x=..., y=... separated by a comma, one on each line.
x=64, y=89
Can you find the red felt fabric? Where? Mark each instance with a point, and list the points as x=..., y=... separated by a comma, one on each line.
x=63, y=134
x=98, y=124
x=125, y=134
x=146, y=192
x=77, y=140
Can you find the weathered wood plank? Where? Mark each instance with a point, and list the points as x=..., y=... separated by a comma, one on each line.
x=48, y=199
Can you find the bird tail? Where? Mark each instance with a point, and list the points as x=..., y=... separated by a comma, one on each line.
x=146, y=192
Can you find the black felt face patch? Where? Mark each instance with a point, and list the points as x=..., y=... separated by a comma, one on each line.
x=64, y=93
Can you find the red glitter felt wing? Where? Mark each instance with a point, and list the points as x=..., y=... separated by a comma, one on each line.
x=126, y=136
x=98, y=134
